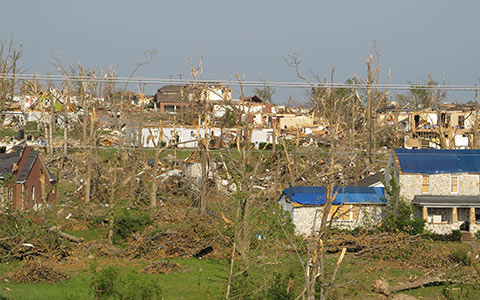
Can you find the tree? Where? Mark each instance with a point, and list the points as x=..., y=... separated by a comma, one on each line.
x=266, y=93
x=10, y=65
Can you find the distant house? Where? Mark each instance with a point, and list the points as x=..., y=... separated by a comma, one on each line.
x=172, y=98
x=443, y=185
x=26, y=183
x=352, y=207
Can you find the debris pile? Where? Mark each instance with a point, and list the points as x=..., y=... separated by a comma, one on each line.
x=186, y=234
x=35, y=271
x=162, y=267
x=404, y=248
x=49, y=246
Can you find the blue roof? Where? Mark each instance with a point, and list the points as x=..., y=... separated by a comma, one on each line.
x=316, y=195
x=438, y=161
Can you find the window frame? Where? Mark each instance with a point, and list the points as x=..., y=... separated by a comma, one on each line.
x=427, y=177
x=457, y=184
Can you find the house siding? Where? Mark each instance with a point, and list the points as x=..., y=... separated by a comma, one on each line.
x=34, y=179
x=365, y=216
x=411, y=185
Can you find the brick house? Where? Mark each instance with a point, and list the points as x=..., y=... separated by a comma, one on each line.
x=442, y=185
x=26, y=183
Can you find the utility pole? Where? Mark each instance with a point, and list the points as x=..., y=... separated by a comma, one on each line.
x=475, y=129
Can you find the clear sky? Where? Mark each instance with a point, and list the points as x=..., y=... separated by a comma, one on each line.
x=252, y=37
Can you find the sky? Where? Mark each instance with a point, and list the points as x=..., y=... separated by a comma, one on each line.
x=254, y=38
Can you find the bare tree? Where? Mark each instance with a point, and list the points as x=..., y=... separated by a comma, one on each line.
x=10, y=65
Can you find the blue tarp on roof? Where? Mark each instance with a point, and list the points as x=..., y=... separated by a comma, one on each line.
x=438, y=161
x=316, y=195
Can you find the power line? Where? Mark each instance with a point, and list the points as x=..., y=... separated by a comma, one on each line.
x=277, y=84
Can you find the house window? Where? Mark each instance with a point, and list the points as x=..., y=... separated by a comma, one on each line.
x=461, y=122
x=425, y=184
x=33, y=193
x=454, y=184
x=342, y=213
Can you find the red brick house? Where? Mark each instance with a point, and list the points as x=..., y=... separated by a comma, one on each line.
x=26, y=183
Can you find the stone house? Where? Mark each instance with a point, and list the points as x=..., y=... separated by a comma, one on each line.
x=352, y=207
x=26, y=183
x=443, y=186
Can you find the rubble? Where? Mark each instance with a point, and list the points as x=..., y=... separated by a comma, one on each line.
x=403, y=248
x=36, y=271
x=162, y=267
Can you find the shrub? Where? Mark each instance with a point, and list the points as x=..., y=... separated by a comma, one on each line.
x=280, y=288
x=477, y=234
x=462, y=292
x=31, y=125
x=400, y=213
x=128, y=221
x=460, y=256
x=108, y=284
x=266, y=146
x=456, y=235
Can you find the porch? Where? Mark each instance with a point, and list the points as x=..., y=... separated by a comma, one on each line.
x=446, y=213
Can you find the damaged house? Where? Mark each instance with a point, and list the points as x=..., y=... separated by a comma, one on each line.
x=442, y=185
x=352, y=207
x=26, y=183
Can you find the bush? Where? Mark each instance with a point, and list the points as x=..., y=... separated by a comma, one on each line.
x=128, y=221
x=401, y=219
x=108, y=284
x=460, y=256
x=280, y=288
x=266, y=146
x=456, y=235
x=31, y=126
x=463, y=292
x=477, y=234
x=400, y=213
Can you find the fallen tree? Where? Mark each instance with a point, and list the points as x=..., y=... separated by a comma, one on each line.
x=381, y=286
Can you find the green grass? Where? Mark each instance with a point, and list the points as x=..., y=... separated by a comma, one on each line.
x=207, y=278
x=197, y=279
x=89, y=234
x=75, y=288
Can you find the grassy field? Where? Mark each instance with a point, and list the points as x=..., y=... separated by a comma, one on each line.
x=207, y=278
x=196, y=279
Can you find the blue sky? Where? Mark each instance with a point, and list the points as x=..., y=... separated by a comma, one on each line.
x=252, y=37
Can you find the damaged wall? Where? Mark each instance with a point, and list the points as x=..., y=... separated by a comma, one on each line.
x=305, y=217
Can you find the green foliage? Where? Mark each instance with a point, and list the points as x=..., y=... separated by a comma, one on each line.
x=280, y=288
x=109, y=284
x=272, y=225
x=460, y=256
x=462, y=292
x=400, y=213
x=456, y=235
x=477, y=234
x=15, y=223
x=128, y=221
x=230, y=118
x=266, y=146
x=7, y=132
x=31, y=126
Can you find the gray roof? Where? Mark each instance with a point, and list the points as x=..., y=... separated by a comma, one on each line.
x=447, y=201
x=372, y=179
x=6, y=162
x=28, y=166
